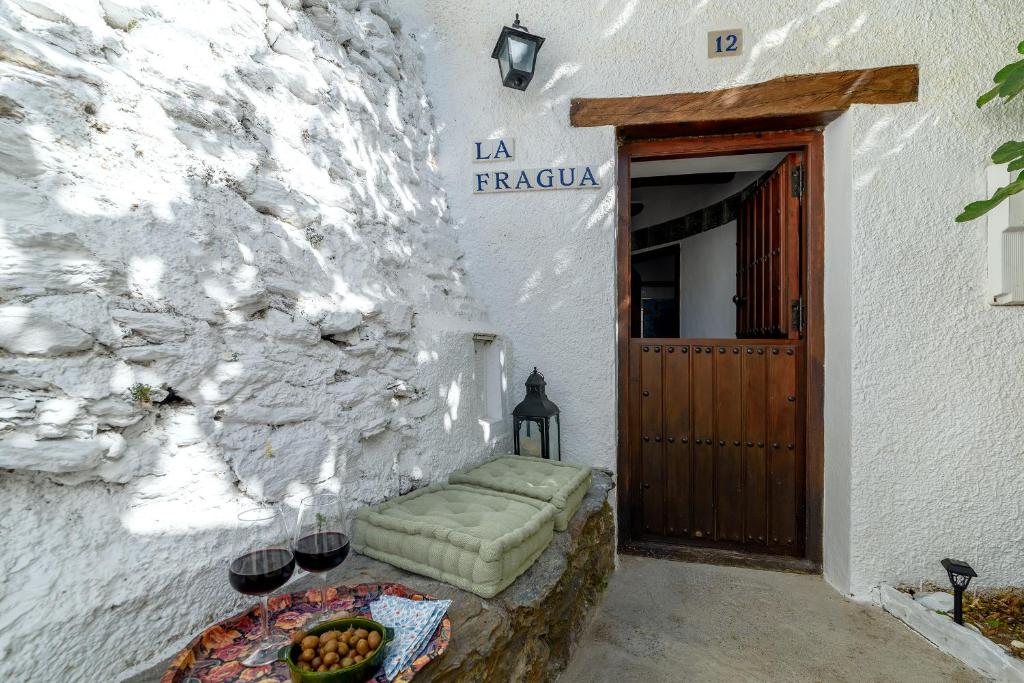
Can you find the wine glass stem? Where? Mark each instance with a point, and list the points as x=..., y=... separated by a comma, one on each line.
x=264, y=618
x=323, y=593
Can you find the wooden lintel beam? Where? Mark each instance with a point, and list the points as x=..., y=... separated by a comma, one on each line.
x=805, y=97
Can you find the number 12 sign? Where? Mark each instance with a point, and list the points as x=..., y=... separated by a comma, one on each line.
x=727, y=43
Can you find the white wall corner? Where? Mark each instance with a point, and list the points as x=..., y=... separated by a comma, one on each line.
x=838, y=362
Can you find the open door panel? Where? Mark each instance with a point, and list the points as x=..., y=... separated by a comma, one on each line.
x=769, y=301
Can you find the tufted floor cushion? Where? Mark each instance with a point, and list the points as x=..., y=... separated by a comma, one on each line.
x=475, y=539
x=560, y=483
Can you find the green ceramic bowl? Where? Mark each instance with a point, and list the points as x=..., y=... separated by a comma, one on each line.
x=357, y=673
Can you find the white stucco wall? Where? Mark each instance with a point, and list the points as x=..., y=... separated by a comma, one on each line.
x=839, y=337
x=235, y=202
x=935, y=396
x=707, y=282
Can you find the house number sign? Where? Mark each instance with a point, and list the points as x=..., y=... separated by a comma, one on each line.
x=727, y=43
x=520, y=179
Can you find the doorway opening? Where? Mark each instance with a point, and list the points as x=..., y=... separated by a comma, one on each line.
x=720, y=405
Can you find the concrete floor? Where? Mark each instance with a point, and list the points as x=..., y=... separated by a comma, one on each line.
x=672, y=621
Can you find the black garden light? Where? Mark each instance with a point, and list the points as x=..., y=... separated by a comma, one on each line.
x=960, y=575
x=516, y=52
x=535, y=421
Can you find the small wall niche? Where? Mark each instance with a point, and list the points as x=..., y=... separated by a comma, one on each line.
x=489, y=359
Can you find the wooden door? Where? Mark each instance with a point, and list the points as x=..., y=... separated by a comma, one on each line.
x=768, y=272
x=719, y=440
x=717, y=425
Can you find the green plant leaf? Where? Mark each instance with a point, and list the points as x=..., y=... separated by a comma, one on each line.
x=141, y=392
x=1013, y=80
x=988, y=97
x=1004, y=73
x=1009, y=83
x=978, y=209
x=1007, y=152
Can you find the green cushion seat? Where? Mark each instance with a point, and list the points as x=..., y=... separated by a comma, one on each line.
x=562, y=484
x=474, y=539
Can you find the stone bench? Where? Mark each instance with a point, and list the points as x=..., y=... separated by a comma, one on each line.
x=527, y=632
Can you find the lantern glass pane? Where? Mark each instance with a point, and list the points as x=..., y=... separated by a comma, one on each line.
x=503, y=59
x=530, y=438
x=553, y=439
x=523, y=53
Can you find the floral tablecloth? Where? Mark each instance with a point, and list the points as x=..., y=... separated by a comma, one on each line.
x=213, y=657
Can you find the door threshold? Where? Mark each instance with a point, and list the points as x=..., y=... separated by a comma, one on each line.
x=717, y=556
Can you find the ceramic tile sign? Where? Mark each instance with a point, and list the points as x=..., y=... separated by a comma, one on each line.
x=726, y=43
x=520, y=180
x=495, y=149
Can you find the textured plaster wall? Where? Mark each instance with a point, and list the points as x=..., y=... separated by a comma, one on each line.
x=707, y=282
x=234, y=204
x=935, y=395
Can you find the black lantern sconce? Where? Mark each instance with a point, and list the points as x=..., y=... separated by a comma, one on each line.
x=960, y=575
x=535, y=422
x=516, y=52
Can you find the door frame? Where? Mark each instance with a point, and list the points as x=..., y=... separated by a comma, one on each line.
x=811, y=143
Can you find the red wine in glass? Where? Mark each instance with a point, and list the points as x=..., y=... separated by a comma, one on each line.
x=320, y=543
x=262, y=571
x=321, y=552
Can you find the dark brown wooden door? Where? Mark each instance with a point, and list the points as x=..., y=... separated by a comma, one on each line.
x=716, y=425
x=719, y=439
x=768, y=272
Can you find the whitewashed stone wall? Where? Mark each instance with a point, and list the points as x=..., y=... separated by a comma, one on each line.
x=233, y=207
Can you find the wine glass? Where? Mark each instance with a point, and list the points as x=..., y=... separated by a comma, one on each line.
x=262, y=571
x=320, y=543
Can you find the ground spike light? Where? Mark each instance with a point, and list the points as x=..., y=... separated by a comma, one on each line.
x=516, y=52
x=960, y=575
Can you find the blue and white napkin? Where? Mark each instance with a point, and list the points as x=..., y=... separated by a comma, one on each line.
x=414, y=622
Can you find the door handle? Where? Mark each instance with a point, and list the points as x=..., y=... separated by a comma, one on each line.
x=739, y=300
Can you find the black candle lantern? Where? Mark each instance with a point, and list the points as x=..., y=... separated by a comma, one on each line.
x=960, y=575
x=535, y=422
x=516, y=52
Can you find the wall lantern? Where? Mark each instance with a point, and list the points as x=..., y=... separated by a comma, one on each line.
x=960, y=574
x=535, y=421
x=516, y=52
